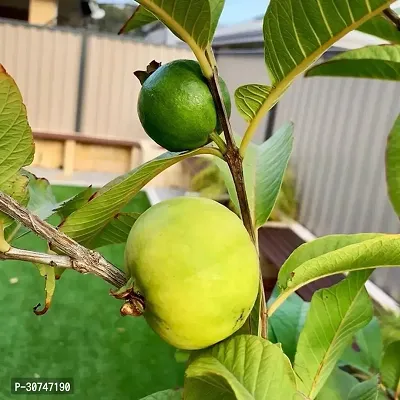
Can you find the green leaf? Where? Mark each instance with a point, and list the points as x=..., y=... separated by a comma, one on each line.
x=379, y=26
x=139, y=18
x=17, y=147
x=189, y=20
x=273, y=158
x=116, y=231
x=16, y=187
x=216, y=7
x=369, y=340
x=369, y=254
x=373, y=62
x=288, y=321
x=318, y=247
x=44, y=204
x=89, y=220
x=253, y=325
x=393, y=166
x=390, y=370
x=142, y=16
x=368, y=390
x=250, y=98
x=368, y=357
x=169, y=394
x=338, y=386
x=263, y=169
x=297, y=33
x=42, y=201
x=334, y=317
x=244, y=368
x=69, y=206
x=356, y=359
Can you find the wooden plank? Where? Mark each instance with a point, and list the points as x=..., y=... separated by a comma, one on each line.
x=85, y=139
x=69, y=157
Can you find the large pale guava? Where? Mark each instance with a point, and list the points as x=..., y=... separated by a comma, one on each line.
x=197, y=269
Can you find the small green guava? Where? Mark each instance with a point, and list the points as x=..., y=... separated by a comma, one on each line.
x=197, y=269
x=176, y=107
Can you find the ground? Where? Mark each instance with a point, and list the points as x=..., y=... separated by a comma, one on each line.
x=82, y=336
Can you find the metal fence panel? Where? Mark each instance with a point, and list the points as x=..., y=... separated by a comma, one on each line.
x=111, y=90
x=44, y=63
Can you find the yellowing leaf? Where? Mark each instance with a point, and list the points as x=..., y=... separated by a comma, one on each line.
x=17, y=147
x=17, y=188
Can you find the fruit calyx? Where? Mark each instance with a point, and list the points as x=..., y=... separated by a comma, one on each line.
x=134, y=304
x=143, y=75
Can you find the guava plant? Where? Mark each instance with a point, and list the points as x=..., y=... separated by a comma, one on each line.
x=191, y=264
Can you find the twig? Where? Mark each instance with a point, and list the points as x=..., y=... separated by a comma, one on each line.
x=80, y=259
x=393, y=17
x=54, y=260
x=235, y=163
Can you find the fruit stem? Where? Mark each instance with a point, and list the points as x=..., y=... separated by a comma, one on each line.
x=218, y=141
x=210, y=150
x=235, y=162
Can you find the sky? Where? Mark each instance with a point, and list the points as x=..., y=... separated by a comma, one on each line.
x=240, y=10
x=235, y=10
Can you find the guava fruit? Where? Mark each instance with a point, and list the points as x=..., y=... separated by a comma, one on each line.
x=196, y=268
x=176, y=107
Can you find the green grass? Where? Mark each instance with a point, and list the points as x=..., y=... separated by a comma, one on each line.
x=82, y=336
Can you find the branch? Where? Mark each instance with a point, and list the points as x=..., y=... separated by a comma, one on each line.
x=393, y=17
x=235, y=163
x=54, y=260
x=232, y=155
x=77, y=257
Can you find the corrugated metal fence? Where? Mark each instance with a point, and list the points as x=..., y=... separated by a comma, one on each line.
x=341, y=127
x=73, y=80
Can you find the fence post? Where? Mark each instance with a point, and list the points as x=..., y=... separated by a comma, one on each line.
x=81, y=82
